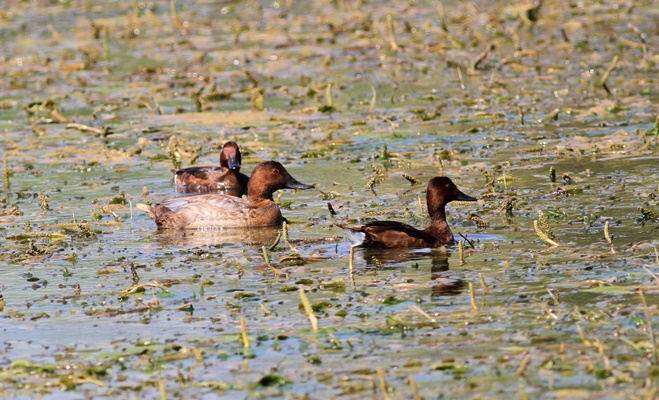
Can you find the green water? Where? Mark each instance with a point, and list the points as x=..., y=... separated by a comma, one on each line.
x=563, y=322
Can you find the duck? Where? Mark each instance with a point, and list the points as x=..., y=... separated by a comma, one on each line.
x=219, y=210
x=393, y=234
x=227, y=177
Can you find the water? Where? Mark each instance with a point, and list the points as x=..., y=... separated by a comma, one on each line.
x=544, y=322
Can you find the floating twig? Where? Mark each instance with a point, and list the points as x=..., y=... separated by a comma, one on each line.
x=460, y=78
x=483, y=56
x=284, y=230
x=412, y=180
x=134, y=288
x=585, y=341
x=373, y=100
x=392, y=37
x=471, y=244
x=104, y=131
x=425, y=314
x=644, y=43
x=552, y=116
x=276, y=242
x=251, y=77
x=442, y=17
x=266, y=256
x=5, y=171
x=554, y=297
x=605, y=77
x=59, y=117
x=328, y=96
x=525, y=363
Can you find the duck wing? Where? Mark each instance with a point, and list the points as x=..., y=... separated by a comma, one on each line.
x=389, y=234
x=204, y=173
x=209, y=210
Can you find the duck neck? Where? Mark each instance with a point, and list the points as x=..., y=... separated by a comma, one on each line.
x=258, y=197
x=439, y=214
x=439, y=228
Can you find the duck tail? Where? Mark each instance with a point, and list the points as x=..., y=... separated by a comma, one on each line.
x=355, y=236
x=163, y=216
x=147, y=209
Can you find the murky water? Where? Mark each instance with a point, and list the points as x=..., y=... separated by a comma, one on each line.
x=563, y=322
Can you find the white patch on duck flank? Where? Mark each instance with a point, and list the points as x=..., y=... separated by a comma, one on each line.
x=356, y=238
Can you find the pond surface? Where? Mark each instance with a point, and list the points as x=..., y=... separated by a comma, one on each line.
x=367, y=101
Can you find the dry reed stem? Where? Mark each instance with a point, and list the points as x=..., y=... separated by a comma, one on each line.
x=472, y=297
x=243, y=332
x=525, y=363
x=382, y=383
x=309, y=310
x=608, y=237
x=461, y=253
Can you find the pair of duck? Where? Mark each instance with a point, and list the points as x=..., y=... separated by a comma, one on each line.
x=217, y=210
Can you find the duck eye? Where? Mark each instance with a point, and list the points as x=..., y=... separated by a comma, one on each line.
x=275, y=171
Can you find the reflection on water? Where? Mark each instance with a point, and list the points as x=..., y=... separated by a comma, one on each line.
x=190, y=238
x=442, y=281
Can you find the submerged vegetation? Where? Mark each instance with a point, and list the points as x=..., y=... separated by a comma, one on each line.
x=546, y=111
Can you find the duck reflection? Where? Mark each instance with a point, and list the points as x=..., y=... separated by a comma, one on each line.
x=263, y=236
x=442, y=281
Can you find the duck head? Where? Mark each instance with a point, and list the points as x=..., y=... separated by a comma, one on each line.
x=441, y=191
x=230, y=156
x=270, y=176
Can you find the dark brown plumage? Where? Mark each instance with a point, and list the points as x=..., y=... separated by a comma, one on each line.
x=226, y=177
x=392, y=234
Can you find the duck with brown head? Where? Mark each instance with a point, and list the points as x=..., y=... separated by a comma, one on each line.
x=227, y=177
x=393, y=234
x=218, y=210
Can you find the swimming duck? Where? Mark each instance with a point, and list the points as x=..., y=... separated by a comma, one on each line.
x=392, y=234
x=226, y=177
x=217, y=210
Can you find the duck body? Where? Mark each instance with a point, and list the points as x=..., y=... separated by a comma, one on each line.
x=394, y=234
x=225, y=177
x=211, y=179
x=218, y=210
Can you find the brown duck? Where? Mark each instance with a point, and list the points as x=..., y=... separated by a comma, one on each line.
x=218, y=210
x=225, y=177
x=392, y=234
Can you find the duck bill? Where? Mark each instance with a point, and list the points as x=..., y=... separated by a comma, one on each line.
x=233, y=162
x=464, y=197
x=292, y=183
